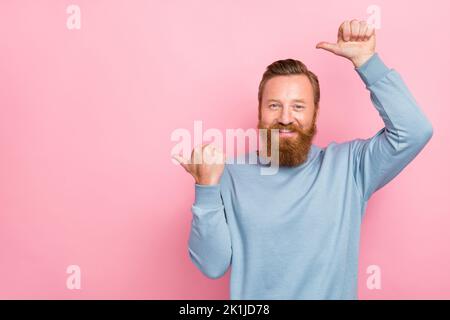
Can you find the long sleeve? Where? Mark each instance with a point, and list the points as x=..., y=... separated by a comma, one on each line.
x=377, y=160
x=209, y=240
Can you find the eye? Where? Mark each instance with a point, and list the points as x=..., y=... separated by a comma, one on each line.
x=273, y=106
x=298, y=107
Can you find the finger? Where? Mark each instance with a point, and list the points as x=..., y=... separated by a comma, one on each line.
x=219, y=157
x=346, y=30
x=341, y=32
x=212, y=148
x=208, y=146
x=218, y=154
x=370, y=31
x=332, y=47
x=208, y=157
x=209, y=154
x=196, y=155
x=354, y=24
x=362, y=31
x=200, y=147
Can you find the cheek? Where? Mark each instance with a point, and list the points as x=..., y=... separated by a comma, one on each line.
x=304, y=119
x=301, y=119
x=267, y=118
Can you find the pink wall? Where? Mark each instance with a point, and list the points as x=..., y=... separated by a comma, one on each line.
x=86, y=116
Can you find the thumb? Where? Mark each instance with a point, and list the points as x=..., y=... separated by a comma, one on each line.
x=332, y=47
x=182, y=161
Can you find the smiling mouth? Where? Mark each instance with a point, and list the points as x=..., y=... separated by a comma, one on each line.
x=286, y=133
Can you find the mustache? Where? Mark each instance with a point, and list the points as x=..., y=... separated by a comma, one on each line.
x=300, y=129
x=290, y=127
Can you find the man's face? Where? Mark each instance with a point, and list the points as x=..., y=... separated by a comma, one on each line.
x=287, y=104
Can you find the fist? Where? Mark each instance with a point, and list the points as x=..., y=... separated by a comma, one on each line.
x=355, y=41
x=206, y=164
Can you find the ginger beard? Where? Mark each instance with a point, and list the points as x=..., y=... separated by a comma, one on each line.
x=293, y=150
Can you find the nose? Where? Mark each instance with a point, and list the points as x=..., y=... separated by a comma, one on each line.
x=285, y=117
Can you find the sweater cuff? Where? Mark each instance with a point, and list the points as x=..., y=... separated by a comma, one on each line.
x=372, y=70
x=207, y=196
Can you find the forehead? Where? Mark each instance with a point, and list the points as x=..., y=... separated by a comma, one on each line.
x=287, y=88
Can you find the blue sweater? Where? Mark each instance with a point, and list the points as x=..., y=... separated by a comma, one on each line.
x=295, y=234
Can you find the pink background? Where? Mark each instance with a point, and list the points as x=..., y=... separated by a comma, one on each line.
x=86, y=116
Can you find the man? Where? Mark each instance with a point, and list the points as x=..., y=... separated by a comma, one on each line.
x=295, y=234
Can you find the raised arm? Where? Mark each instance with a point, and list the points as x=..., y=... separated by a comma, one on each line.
x=406, y=131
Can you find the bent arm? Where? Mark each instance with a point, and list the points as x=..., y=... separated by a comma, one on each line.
x=379, y=159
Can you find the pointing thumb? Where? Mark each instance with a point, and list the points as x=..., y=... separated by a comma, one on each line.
x=332, y=47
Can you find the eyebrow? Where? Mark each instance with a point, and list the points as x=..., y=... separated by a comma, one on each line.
x=295, y=100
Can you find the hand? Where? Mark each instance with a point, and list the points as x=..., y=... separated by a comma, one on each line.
x=206, y=165
x=355, y=41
